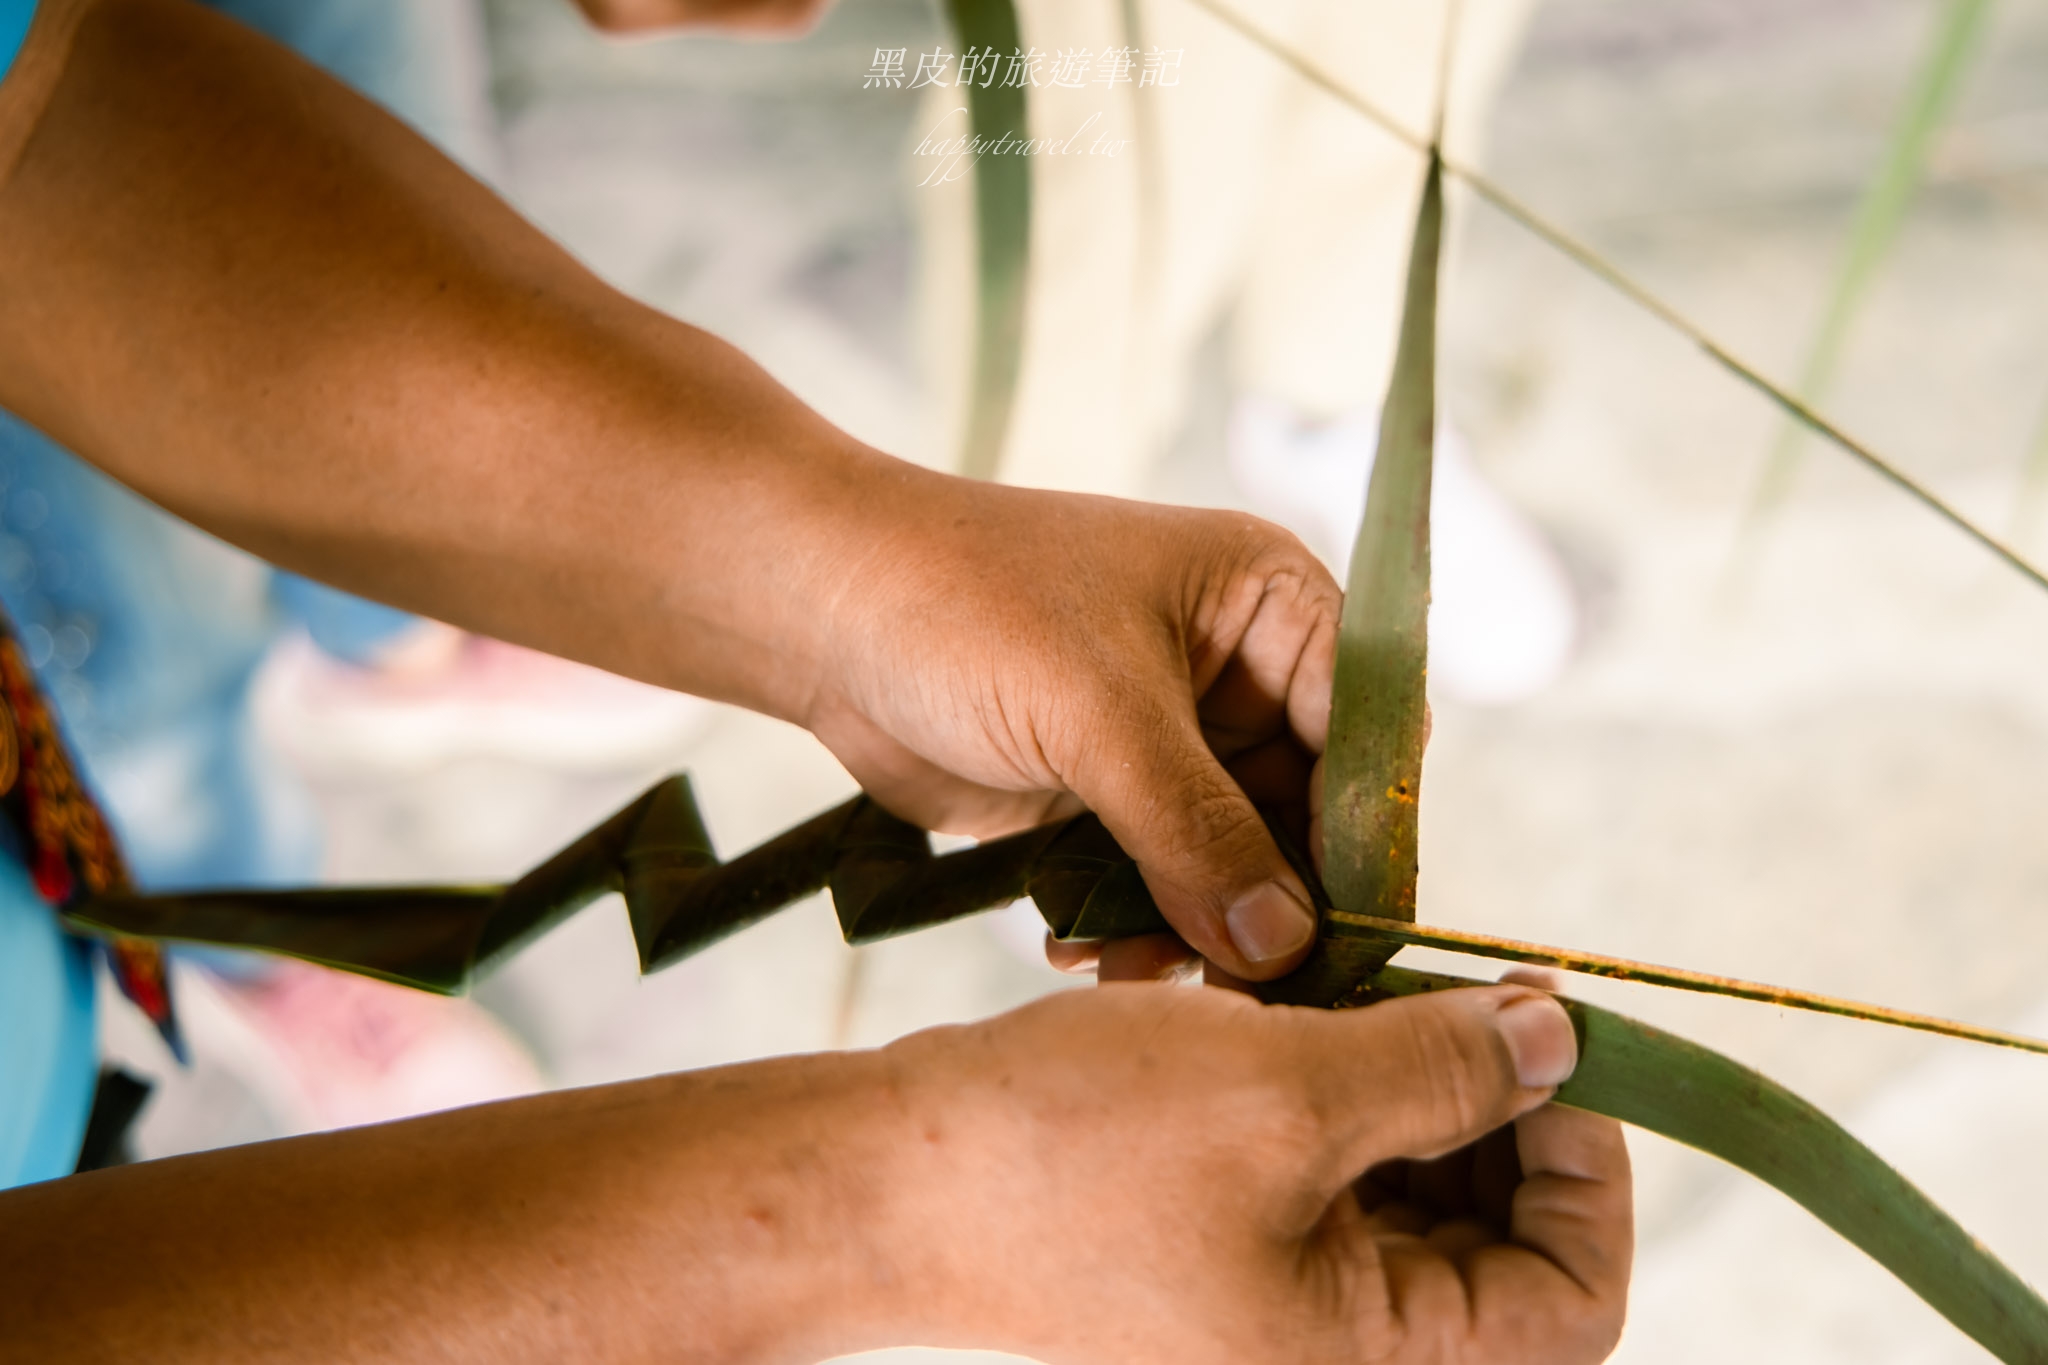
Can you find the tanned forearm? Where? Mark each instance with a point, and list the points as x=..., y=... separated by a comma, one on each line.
x=1140, y=1174
x=748, y=1214
x=265, y=304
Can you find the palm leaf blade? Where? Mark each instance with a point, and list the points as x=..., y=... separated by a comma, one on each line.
x=1694, y=1095
x=1372, y=768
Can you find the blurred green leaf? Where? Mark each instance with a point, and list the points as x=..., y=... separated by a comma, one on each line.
x=1876, y=226
x=1002, y=217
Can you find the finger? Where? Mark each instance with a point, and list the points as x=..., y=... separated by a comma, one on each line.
x=1399, y=1219
x=1575, y=1203
x=1308, y=688
x=1264, y=660
x=1558, y=1288
x=1420, y=1076
x=1496, y=1175
x=1456, y=1238
x=1241, y=710
x=926, y=794
x=1213, y=975
x=1542, y=978
x=1273, y=774
x=1078, y=956
x=1206, y=856
x=1145, y=957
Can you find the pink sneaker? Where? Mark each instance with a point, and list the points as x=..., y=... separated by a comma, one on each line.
x=352, y=1050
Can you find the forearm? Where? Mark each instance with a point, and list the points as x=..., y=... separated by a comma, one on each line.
x=264, y=304
x=752, y=1213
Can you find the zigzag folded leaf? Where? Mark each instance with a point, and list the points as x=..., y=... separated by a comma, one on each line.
x=679, y=897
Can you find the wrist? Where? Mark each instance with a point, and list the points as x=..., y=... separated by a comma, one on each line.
x=859, y=545
x=841, y=1208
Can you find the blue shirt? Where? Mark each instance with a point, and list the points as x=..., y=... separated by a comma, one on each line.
x=49, y=1037
x=14, y=17
x=168, y=663
x=49, y=1042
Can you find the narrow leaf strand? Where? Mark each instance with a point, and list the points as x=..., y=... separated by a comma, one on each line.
x=1678, y=978
x=1638, y=293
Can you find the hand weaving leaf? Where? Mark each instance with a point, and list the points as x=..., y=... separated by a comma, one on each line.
x=885, y=880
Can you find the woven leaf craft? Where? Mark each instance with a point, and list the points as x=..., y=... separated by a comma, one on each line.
x=885, y=880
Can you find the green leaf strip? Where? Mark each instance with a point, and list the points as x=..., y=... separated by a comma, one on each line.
x=420, y=936
x=1002, y=216
x=1654, y=1080
x=1397, y=932
x=1590, y=260
x=884, y=881
x=1372, y=767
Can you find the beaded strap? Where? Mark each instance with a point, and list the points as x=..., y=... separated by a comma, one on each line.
x=61, y=834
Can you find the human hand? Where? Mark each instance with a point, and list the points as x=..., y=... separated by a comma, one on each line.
x=998, y=657
x=1148, y=1173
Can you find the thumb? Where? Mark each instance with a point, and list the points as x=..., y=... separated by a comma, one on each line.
x=1426, y=1074
x=1206, y=856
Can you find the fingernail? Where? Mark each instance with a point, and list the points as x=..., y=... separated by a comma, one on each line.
x=1269, y=922
x=1540, y=1040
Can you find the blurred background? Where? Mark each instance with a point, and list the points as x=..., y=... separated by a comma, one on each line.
x=1702, y=696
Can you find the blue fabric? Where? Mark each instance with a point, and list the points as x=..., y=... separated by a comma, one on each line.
x=49, y=1041
x=146, y=633
x=14, y=21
